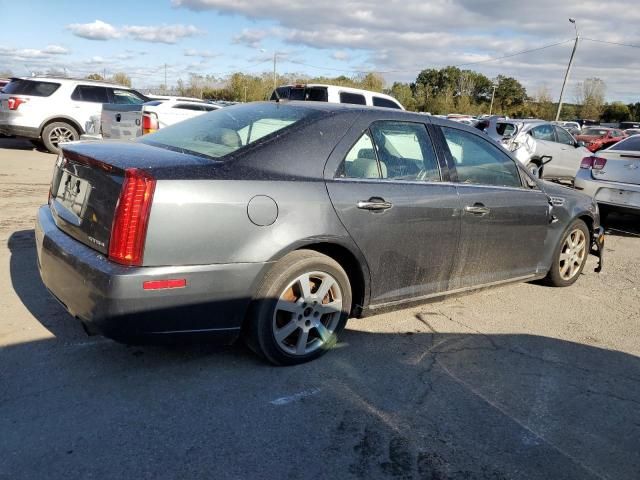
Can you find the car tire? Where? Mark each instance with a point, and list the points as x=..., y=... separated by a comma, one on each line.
x=570, y=255
x=37, y=144
x=289, y=324
x=56, y=133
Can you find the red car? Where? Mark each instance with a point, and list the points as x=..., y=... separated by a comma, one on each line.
x=597, y=138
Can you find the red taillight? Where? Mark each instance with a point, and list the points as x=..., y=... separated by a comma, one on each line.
x=131, y=218
x=149, y=123
x=595, y=163
x=14, y=102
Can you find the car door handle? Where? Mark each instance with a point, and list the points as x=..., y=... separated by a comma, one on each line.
x=375, y=204
x=477, y=209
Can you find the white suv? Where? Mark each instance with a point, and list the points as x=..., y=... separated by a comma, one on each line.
x=317, y=92
x=55, y=110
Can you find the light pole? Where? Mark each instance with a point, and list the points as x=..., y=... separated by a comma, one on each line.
x=493, y=94
x=275, y=81
x=566, y=75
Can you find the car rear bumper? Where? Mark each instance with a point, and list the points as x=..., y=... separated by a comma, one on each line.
x=622, y=195
x=19, y=131
x=110, y=300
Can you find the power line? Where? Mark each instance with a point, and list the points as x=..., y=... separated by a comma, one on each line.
x=493, y=59
x=610, y=43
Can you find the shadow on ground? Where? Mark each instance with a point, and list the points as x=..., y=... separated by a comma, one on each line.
x=433, y=405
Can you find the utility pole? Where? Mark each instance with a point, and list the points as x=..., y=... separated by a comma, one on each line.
x=568, y=72
x=245, y=93
x=165, y=78
x=274, y=71
x=104, y=73
x=493, y=94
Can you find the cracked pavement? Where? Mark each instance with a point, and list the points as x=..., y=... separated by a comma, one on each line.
x=517, y=382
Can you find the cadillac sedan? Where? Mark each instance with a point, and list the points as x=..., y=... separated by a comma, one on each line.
x=277, y=221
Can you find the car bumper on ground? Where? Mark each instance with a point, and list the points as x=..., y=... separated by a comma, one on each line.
x=18, y=131
x=110, y=299
x=616, y=194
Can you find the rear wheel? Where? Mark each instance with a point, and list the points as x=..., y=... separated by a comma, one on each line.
x=57, y=133
x=301, y=307
x=570, y=255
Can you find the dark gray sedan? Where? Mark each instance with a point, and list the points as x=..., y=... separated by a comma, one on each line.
x=278, y=221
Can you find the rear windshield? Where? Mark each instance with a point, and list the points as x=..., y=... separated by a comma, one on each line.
x=628, y=144
x=505, y=128
x=595, y=131
x=311, y=94
x=226, y=130
x=30, y=87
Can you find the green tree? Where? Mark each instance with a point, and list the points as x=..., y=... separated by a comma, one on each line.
x=590, y=95
x=403, y=93
x=616, y=112
x=509, y=94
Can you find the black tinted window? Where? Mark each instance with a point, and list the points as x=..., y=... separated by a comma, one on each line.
x=505, y=128
x=356, y=98
x=631, y=143
x=90, y=93
x=31, y=87
x=384, y=102
x=480, y=162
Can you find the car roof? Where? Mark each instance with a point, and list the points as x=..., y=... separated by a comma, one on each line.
x=341, y=88
x=99, y=83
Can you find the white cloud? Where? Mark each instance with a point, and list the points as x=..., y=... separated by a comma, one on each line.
x=97, y=30
x=191, y=52
x=161, y=34
x=55, y=50
x=341, y=55
x=250, y=38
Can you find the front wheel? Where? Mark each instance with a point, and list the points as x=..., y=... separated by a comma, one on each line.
x=570, y=255
x=301, y=307
x=534, y=169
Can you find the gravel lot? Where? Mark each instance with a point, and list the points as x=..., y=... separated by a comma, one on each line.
x=522, y=381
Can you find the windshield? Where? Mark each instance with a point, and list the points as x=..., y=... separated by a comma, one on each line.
x=226, y=130
x=595, y=131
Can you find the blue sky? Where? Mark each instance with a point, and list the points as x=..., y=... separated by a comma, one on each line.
x=398, y=38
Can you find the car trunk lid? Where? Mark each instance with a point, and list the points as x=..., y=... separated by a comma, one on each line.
x=621, y=166
x=88, y=179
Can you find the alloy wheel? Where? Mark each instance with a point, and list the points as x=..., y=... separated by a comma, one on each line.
x=60, y=135
x=572, y=255
x=307, y=313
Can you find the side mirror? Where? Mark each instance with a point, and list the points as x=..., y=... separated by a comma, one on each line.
x=544, y=159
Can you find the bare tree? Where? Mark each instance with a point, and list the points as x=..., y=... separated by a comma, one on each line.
x=590, y=94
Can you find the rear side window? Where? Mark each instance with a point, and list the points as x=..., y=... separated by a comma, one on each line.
x=544, y=132
x=629, y=144
x=361, y=161
x=90, y=93
x=384, y=102
x=355, y=98
x=479, y=162
x=31, y=87
x=228, y=129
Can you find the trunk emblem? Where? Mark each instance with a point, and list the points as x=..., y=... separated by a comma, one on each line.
x=632, y=166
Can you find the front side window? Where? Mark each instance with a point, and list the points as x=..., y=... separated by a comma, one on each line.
x=543, y=132
x=478, y=161
x=564, y=137
x=228, y=129
x=355, y=98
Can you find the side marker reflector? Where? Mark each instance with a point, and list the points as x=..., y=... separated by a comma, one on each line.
x=164, y=284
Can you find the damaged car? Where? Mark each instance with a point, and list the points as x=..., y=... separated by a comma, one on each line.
x=277, y=221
